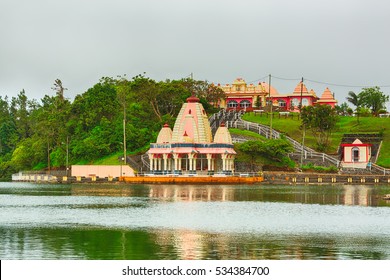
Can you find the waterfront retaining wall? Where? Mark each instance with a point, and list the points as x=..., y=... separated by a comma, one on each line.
x=321, y=178
x=275, y=178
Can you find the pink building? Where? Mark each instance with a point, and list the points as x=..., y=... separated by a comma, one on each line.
x=292, y=101
x=240, y=95
x=327, y=98
x=189, y=148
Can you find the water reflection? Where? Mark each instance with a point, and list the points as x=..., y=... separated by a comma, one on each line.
x=362, y=195
x=193, y=222
x=90, y=243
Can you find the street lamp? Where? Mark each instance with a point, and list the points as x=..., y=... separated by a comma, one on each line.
x=67, y=156
x=122, y=159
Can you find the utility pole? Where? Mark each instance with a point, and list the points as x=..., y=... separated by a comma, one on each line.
x=124, y=127
x=48, y=156
x=67, y=155
x=300, y=104
x=271, y=105
x=304, y=126
x=303, y=143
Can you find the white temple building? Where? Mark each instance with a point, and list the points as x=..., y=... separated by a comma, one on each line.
x=189, y=148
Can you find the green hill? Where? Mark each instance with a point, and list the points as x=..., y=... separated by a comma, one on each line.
x=291, y=127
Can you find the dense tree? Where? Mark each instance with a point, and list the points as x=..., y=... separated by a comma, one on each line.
x=321, y=120
x=20, y=111
x=343, y=109
x=253, y=149
x=272, y=149
x=8, y=131
x=202, y=89
x=374, y=99
x=36, y=134
x=356, y=101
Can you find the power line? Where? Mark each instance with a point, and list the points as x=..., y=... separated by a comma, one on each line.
x=343, y=85
x=261, y=79
x=286, y=79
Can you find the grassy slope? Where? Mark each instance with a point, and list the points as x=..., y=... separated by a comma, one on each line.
x=107, y=160
x=344, y=125
x=246, y=134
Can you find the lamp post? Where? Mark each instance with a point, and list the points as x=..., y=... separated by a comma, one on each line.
x=269, y=94
x=67, y=156
x=120, y=175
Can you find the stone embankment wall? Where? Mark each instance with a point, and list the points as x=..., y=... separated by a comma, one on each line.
x=321, y=178
x=275, y=178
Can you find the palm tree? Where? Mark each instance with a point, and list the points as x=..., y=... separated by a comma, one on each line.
x=355, y=100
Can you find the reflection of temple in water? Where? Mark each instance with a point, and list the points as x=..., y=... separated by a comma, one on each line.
x=358, y=195
x=196, y=245
x=192, y=193
x=101, y=190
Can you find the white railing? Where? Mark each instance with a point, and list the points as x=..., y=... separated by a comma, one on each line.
x=265, y=131
x=145, y=160
x=31, y=177
x=380, y=169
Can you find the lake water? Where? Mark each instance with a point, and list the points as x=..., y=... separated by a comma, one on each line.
x=40, y=221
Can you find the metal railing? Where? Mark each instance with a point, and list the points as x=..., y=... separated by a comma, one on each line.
x=145, y=160
x=380, y=169
x=266, y=132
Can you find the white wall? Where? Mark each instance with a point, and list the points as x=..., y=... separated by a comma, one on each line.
x=101, y=171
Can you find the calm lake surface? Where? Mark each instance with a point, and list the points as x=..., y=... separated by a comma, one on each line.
x=40, y=221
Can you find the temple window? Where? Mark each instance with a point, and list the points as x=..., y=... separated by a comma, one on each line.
x=232, y=104
x=245, y=104
x=295, y=102
x=355, y=154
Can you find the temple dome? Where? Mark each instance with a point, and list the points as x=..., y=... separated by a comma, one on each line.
x=327, y=95
x=192, y=99
x=299, y=87
x=265, y=88
x=165, y=135
x=223, y=135
x=193, y=121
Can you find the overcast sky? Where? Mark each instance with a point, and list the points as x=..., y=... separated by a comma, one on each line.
x=343, y=42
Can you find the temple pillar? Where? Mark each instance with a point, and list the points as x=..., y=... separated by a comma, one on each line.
x=155, y=164
x=175, y=162
x=165, y=157
x=179, y=165
x=224, y=162
x=190, y=159
x=209, y=162
x=151, y=162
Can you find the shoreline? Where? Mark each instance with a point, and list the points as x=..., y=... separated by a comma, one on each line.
x=267, y=178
